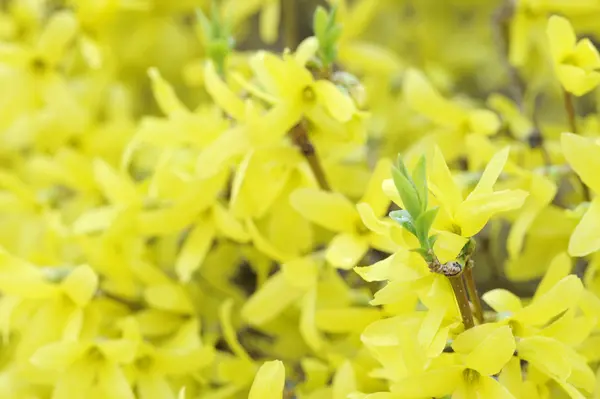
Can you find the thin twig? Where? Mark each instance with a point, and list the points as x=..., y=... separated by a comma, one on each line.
x=570, y=108
x=472, y=290
x=290, y=23
x=460, y=293
x=299, y=136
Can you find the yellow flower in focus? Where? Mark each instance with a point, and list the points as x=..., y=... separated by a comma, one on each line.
x=290, y=87
x=480, y=353
x=460, y=218
x=576, y=64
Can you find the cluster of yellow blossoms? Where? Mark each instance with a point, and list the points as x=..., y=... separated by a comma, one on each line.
x=185, y=215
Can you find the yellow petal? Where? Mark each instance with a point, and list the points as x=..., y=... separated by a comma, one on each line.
x=502, y=300
x=493, y=352
x=585, y=239
x=269, y=381
x=368, y=217
x=422, y=97
x=95, y=220
x=270, y=300
x=301, y=272
x=583, y=155
x=483, y=121
x=430, y=326
x=195, y=248
x=576, y=80
x=229, y=333
x=339, y=105
x=442, y=184
x=559, y=268
x=57, y=356
x=470, y=339
x=222, y=94
x=346, y=250
x=169, y=297
x=228, y=225
x=547, y=354
x=118, y=350
x=563, y=295
x=216, y=156
x=81, y=285
x=306, y=50
x=488, y=387
x=490, y=174
x=344, y=381
x=374, y=195
x=272, y=126
x=57, y=35
x=165, y=95
x=448, y=245
x=330, y=210
x=308, y=325
x=561, y=37
x=269, y=21
x=570, y=329
x=474, y=213
x=346, y=320
x=542, y=192
x=434, y=383
x=586, y=54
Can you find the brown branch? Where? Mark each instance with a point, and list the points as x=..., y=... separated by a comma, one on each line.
x=472, y=290
x=460, y=293
x=299, y=136
x=570, y=109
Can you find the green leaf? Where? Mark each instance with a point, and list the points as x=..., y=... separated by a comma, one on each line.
x=320, y=23
x=407, y=192
x=424, y=253
x=332, y=15
x=402, y=167
x=405, y=220
x=432, y=240
x=205, y=25
x=420, y=182
x=424, y=222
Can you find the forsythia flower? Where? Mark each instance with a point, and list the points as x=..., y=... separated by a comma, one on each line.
x=197, y=199
x=576, y=63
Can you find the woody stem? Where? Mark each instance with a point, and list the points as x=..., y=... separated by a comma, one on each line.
x=460, y=293
x=570, y=109
x=290, y=23
x=472, y=290
x=300, y=138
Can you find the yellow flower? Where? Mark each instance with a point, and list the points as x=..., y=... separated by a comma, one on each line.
x=549, y=327
x=575, y=63
x=460, y=218
x=425, y=99
x=290, y=87
x=582, y=154
x=153, y=365
x=480, y=353
x=93, y=369
x=335, y=212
